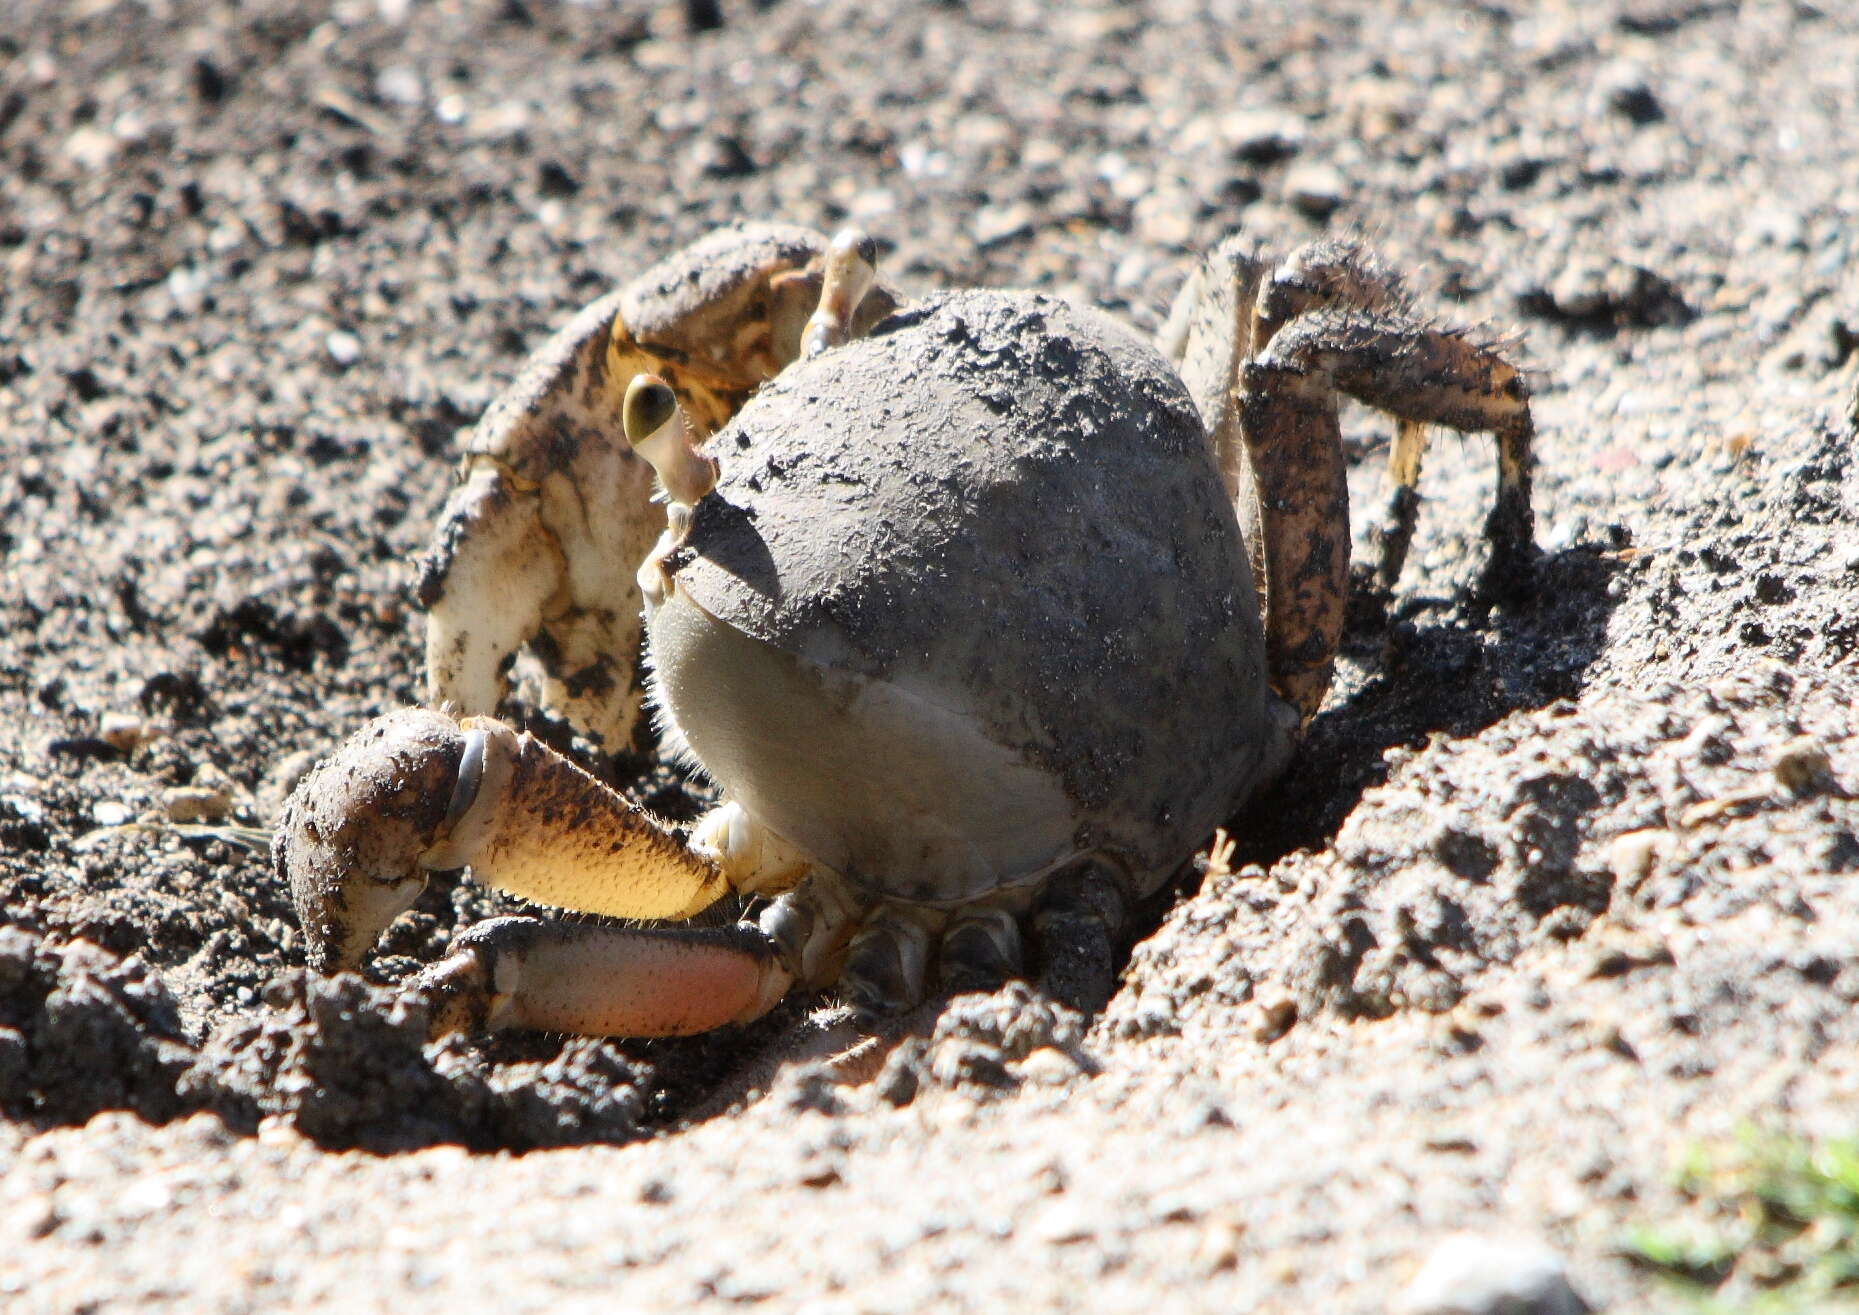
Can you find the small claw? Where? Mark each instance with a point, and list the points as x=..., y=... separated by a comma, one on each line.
x=359, y=833
x=491, y=544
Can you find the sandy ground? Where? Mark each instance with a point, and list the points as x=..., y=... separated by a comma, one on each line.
x=1555, y=890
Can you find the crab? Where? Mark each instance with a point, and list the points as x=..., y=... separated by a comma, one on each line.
x=981, y=614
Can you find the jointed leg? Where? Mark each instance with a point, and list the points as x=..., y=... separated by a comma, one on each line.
x=1288, y=413
x=1332, y=273
x=1231, y=308
x=1404, y=458
x=1078, y=925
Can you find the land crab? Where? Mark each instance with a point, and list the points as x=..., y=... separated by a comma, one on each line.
x=978, y=612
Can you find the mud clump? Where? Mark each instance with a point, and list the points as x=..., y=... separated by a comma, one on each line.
x=346, y=1063
x=83, y=1031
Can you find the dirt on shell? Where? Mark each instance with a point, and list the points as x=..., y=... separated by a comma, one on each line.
x=1557, y=887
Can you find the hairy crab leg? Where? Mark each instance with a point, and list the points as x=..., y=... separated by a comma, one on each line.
x=1404, y=458
x=1288, y=418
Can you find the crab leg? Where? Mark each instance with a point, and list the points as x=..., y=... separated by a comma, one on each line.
x=1288, y=418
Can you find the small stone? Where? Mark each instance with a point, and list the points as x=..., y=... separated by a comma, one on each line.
x=210, y=82
x=1318, y=190
x=344, y=348
x=109, y=812
x=124, y=731
x=1632, y=855
x=92, y=148
x=724, y=156
x=1050, y=1067
x=1067, y=1222
x=197, y=803
x=1264, y=136
x=897, y=1082
x=1471, y=1274
x=1165, y=219
x=553, y=178
x=1276, y=1016
x=1221, y=1244
x=1627, y=93
x=1803, y=767
x=399, y=84
x=995, y=224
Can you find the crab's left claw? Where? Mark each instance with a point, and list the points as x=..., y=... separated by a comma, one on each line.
x=539, y=545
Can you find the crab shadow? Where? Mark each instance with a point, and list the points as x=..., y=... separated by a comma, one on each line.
x=1431, y=665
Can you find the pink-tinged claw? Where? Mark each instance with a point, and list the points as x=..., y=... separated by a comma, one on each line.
x=602, y=981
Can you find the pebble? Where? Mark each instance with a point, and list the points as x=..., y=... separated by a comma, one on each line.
x=124, y=731
x=1627, y=92
x=1000, y=223
x=1264, y=136
x=344, y=348
x=1632, y=855
x=92, y=148
x=1318, y=190
x=196, y=803
x=1049, y=1067
x=399, y=84
x=109, y=812
x=1276, y=1015
x=1474, y=1274
x=1803, y=767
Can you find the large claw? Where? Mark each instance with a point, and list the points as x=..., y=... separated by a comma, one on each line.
x=353, y=841
x=415, y=791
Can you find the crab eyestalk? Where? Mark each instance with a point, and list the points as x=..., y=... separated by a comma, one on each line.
x=656, y=427
x=850, y=269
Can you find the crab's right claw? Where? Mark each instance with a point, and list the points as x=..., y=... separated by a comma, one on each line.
x=354, y=841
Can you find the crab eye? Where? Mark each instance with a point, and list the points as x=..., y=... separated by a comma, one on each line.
x=649, y=407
